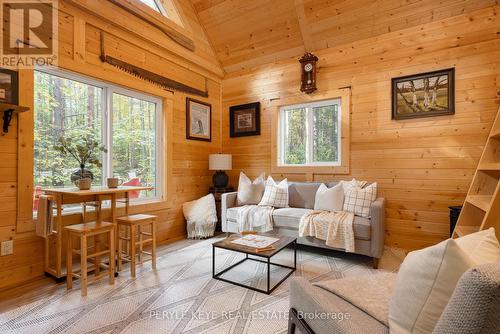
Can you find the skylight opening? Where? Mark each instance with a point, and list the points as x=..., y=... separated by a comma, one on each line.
x=156, y=5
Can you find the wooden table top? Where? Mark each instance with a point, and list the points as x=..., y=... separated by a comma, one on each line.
x=278, y=245
x=99, y=190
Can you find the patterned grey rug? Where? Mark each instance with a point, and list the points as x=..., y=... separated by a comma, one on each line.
x=182, y=297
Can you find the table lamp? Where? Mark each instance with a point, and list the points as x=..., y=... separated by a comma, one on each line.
x=220, y=163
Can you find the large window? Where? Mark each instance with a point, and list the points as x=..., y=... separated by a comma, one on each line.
x=309, y=134
x=127, y=123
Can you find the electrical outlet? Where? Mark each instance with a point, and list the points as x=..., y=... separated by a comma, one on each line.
x=7, y=247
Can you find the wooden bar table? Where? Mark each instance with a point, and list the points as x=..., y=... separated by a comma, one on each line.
x=62, y=196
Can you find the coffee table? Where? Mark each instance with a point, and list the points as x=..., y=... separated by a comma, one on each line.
x=279, y=245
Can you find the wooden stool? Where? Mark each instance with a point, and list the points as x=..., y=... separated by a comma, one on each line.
x=84, y=231
x=134, y=225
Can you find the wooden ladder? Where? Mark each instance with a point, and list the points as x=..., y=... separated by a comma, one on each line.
x=481, y=209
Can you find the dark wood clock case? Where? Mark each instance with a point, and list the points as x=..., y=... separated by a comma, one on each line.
x=308, y=77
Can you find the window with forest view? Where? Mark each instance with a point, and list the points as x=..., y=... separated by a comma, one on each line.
x=310, y=134
x=126, y=123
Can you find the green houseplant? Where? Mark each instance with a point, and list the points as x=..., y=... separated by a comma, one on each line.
x=85, y=150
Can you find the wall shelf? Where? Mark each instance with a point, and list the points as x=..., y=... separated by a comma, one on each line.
x=482, y=204
x=480, y=201
x=464, y=230
x=9, y=110
x=489, y=166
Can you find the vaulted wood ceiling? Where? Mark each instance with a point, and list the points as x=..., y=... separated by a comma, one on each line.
x=246, y=33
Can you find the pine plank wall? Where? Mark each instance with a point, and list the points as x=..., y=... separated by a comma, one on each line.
x=188, y=160
x=423, y=165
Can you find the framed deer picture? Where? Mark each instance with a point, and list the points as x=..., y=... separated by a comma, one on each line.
x=423, y=95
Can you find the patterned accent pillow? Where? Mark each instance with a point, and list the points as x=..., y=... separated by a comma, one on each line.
x=358, y=201
x=275, y=195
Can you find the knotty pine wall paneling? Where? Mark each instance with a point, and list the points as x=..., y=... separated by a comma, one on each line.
x=422, y=165
x=188, y=174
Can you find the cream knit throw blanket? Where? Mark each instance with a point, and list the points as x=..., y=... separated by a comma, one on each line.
x=333, y=227
x=255, y=218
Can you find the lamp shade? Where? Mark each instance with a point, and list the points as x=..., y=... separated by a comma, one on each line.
x=220, y=162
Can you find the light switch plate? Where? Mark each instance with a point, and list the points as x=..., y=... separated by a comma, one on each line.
x=7, y=247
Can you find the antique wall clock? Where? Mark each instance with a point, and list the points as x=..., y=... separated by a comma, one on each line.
x=308, y=69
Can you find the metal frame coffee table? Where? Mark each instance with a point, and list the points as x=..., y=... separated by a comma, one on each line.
x=279, y=245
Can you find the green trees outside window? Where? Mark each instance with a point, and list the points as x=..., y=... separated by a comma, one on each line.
x=310, y=134
x=325, y=133
x=134, y=140
x=66, y=108
x=124, y=122
x=295, y=137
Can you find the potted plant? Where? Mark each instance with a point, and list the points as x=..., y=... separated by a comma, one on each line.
x=85, y=150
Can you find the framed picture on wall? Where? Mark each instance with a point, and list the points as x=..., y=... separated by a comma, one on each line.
x=9, y=86
x=423, y=95
x=198, y=120
x=244, y=120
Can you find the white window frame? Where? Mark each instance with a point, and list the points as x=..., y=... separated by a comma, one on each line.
x=107, y=126
x=309, y=126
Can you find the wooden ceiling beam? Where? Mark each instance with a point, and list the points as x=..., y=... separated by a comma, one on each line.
x=305, y=29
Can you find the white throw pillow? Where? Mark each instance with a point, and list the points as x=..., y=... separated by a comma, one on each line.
x=424, y=284
x=482, y=246
x=249, y=192
x=329, y=199
x=200, y=210
x=359, y=201
x=349, y=185
x=275, y=195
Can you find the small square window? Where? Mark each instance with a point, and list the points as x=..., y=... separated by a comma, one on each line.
x=310, y=134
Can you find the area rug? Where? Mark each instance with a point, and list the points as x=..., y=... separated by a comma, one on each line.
x=182, y=297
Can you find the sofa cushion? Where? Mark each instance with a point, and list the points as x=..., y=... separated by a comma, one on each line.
x=290, y=218
x=370, y=293
x=353, y=184
x=359, y=200
x=482, y=246
x=275, y=194
x=232, y=213
x=329, y=199
x=362, y=228
x=301, y=194
x=424, y=285
x=250, y=192
x=313, y=300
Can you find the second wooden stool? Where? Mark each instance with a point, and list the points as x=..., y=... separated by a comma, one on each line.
x=83, y=232
x=136, y=235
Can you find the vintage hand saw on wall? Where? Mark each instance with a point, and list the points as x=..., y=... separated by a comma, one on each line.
x=154, y=78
